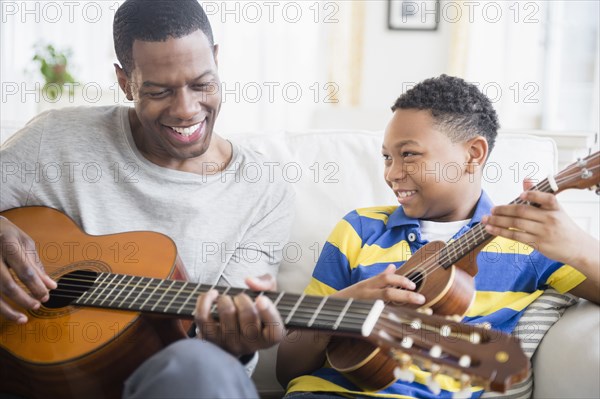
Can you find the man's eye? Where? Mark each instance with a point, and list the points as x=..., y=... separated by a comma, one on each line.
x=386, y=157
x=407, y=154
x=157, y=93
x=206, y=87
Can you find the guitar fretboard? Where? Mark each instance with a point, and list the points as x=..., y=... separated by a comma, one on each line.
x=178, y=298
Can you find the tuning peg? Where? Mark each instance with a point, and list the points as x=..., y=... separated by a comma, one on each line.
x=416, y=324
x=404, y=374
x=465, y=393
x=435, y=351
x=465, y=388
x=433, y=385
x=445, y=330
x=455, y=318
x=430, y=381
x=407, y=342
x=475, y=338
x=464, y=361
x=426, y=311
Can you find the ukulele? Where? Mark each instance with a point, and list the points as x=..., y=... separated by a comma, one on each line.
x=443, y=273
x=122, y=297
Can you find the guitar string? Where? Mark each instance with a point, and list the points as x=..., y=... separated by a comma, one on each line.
x=352, y=320
x=327, y=314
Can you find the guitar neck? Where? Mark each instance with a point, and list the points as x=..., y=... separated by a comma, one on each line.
x=178, y=299
x=476, y=236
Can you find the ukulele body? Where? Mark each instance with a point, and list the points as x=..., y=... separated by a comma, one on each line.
x=72, y=352
x=448, y=291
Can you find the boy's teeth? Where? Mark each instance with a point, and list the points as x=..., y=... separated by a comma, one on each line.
x=404, y=194
x=187, y=130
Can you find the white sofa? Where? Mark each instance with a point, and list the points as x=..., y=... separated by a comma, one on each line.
x=334, y=172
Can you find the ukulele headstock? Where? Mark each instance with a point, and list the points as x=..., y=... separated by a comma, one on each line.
x=585, y=173
x=471, y=354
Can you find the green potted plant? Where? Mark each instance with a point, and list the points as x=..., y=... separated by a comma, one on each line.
x=53, y=66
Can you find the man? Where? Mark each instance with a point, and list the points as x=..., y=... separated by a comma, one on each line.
x=159, y=166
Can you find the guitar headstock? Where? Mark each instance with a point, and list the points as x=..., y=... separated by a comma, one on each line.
x=470, y=354
x=585, y=173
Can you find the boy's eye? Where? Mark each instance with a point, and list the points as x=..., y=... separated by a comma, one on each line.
x=386, y=157
x=407, y=154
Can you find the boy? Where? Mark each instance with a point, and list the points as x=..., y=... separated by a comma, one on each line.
x=442, y=124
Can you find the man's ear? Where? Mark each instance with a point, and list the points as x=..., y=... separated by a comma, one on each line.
x=123, y=82
x=477, y=149
x=216, y=53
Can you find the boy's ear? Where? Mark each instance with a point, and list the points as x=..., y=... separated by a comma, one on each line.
x=123, y=82
x=477, y=153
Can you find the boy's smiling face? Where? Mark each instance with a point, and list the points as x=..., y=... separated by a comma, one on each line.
x=432, y=177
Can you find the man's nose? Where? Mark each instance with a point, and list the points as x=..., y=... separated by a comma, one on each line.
x=186, y=105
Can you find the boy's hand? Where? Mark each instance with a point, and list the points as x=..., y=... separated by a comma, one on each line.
x=387, y=286
x=546, y=228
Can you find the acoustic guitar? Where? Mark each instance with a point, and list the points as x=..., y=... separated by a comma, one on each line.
x=443, y=273
x=122, y=297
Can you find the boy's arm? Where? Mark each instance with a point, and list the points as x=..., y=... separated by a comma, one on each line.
x=304, y=351
x=552, y=232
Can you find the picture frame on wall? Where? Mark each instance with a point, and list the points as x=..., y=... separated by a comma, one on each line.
x=413, y=14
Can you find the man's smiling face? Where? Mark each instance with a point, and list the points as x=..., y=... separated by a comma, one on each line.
x=176, y=90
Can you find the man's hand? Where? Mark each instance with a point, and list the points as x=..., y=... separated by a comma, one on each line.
x=244, y=326
x=388, y=286
x=17, y=252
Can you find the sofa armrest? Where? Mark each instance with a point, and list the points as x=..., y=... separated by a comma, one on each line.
x=567, y=362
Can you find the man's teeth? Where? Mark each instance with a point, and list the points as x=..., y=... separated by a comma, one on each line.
x=404, y=194
x=186, y=131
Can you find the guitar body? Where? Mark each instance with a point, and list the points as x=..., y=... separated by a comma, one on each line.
x=71, y=352
x=448, y=291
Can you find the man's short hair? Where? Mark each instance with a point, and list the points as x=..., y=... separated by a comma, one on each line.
x=155, y=21
x=459, y=109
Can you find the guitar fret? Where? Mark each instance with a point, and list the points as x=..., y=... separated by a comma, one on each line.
x=99, y=282
x=289, y=317
x=152, y=293
x=183, y=284
x=213, y=308
x=131, y=291
x=121, y=291
x=276, y=302
x=163, y=294
x=316, y=313
x=143, y=290
x=341, y=316
x=107, y=296
x=192, y=295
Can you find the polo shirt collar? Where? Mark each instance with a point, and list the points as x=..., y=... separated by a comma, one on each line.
x=484, y=205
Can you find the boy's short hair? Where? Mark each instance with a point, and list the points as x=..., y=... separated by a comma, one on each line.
x=155, y=21
x=459, y=109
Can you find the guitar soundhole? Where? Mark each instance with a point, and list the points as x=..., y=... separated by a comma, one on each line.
x=70, y=287
x=417, y=278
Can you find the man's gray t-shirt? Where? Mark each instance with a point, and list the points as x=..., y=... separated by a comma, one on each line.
x=83, y=161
